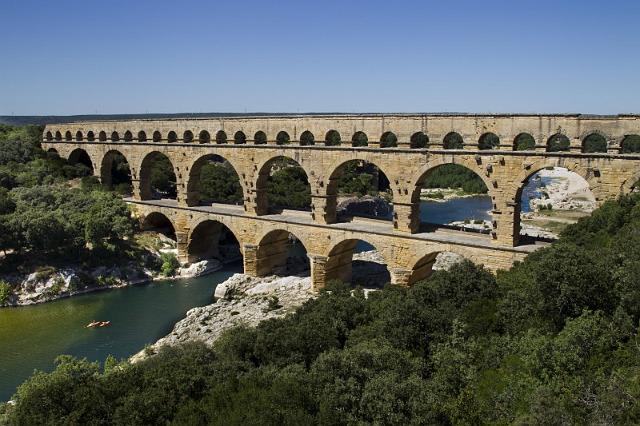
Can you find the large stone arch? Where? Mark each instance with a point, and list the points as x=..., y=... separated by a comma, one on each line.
x=80, y=155
x=467, y=162
x=262, y=178
x=421, y=263
x=193, y=184
x=144, y=174
x=336, y=170
x=204, y=237
x=339, y=258
x=156, y=220
x=272, y=251
x=106, y=166
x=514, y=193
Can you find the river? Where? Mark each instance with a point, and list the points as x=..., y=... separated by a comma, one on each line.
x=33, y=336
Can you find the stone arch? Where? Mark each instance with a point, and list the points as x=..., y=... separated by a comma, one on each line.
x=340, y=264
x=142, y=136
x=187, y=136
x=388, y=140
x=471, y=168
x=332, y=138
x=172, y=137
x=48, y=136
x=558, y=143
x=204, y=137
x=115, y=137
x=585, y=173
x=488, y=141
x=148, y=179
x=260, y=138
x=239, y=138
x=594, y=142
x=81, y=156
x=91, y=136
x=221, y=137
x=524, y=142
x=128, y=137
x=359, y=138
x=422, y=264
x=79, y=136
x=102, y=136
x=157, y=136
x=208, y=237
x=630, y=144
x=300, y=176
x=274, y=250
x=159, y=222
x=115, y=172
x=419, y=140
x=307, y=138
x=453, y=140
x=194, y=185
x=67, y=136
x=58, y=135
x=361, y=167
x=282, y=138
x=467, y=163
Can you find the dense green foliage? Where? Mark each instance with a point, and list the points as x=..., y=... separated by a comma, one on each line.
x=453, y=141
x=594, y=143
x=554, y=340
x=524, y=142
x=361, y=178
x=489, y=141
x=287, y=186
x=630, y=144
x=219, y=183
x=163, y=178
x=558, y=142
x=455, y=176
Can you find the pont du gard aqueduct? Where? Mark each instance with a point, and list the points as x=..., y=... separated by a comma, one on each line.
x=504, y=150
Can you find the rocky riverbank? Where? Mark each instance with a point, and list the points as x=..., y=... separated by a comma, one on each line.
x=241, y=301
x=246, y=301
x=39, y=284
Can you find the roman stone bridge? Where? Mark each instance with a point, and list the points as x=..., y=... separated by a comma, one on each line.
x=504, y=150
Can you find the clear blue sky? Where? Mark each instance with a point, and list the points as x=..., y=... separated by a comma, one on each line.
x=88, y=56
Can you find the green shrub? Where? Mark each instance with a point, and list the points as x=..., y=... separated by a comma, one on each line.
x=5, y=292
x=170, y=264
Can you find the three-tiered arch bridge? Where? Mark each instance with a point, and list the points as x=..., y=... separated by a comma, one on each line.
x=504, y=150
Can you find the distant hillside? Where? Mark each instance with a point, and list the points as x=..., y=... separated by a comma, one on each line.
x=21, y=120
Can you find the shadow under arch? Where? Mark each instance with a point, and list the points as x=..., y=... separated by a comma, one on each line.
x=280, y=252
x=282, y=183
x=159, y=222
x=80, y=156
x=213, y=179
x=358, y=262
x=212, y=239
x=358, y=178
x=426, y=265
x=115, y=172
x=157, y=177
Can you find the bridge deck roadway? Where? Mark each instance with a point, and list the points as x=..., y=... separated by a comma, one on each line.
x=357, y=225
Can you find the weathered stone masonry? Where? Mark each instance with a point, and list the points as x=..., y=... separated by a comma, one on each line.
x=408, y=252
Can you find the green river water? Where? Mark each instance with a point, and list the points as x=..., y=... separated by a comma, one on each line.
x=32, y=336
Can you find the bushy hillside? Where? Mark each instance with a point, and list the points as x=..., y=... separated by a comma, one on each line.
x=554, y=340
